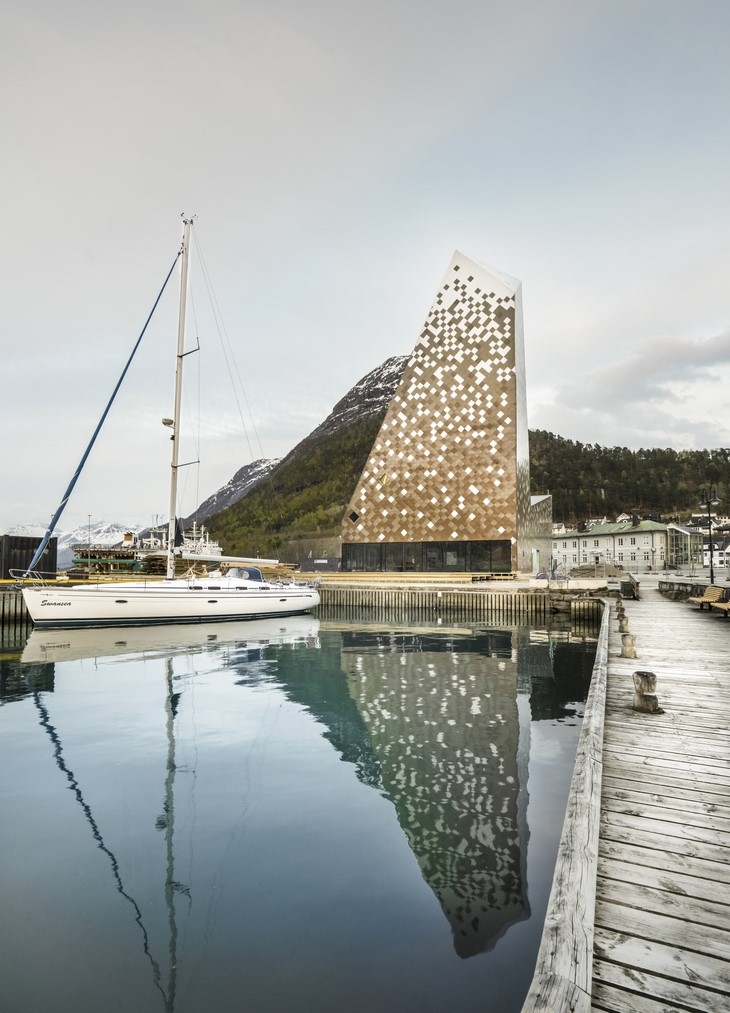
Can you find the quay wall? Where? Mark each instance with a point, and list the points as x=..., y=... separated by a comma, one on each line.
x=454, y=603
x=12, y=607
x=15, y=624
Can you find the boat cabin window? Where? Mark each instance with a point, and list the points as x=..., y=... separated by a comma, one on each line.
x=245, y=573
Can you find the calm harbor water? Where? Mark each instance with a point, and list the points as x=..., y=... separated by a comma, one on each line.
x=282, y=815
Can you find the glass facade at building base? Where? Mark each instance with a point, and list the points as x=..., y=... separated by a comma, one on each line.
x=428, y=557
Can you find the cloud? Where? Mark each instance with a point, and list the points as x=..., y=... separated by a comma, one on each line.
x=669, y=392
x=651, y=372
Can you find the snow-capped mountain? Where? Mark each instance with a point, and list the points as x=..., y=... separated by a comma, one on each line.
x=369, y=396
x=245, y=479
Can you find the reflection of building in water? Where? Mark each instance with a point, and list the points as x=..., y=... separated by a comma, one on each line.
x=452, y=739
x=555, y=669
x=20, y=681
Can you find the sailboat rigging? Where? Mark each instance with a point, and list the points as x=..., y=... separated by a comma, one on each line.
x=239, y=593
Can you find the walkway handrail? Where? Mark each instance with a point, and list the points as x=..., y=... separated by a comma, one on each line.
x=564, y=968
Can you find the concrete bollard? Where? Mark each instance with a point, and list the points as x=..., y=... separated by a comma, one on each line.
x=623, y=624
x=628, y=645
x=645, y=698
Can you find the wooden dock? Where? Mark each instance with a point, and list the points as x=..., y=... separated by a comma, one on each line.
x=639, y=914
x=662, y=920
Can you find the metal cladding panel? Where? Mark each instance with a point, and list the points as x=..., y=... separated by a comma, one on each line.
x=450, y=461
x=536, y=533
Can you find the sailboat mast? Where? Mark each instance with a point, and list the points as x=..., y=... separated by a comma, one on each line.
x=185, y=252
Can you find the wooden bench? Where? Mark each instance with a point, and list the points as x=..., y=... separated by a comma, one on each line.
x=712, y=595
x=721, y=606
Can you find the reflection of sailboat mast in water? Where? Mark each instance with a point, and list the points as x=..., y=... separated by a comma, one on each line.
x=167, y=821
x=452, y=741
x=96, y=832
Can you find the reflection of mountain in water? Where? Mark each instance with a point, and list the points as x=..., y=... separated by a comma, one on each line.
x=314, y=679
x=445, y=724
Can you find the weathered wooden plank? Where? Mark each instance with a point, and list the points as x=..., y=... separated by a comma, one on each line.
x=628, y=990
x=657, y=739
x=710, y=753
x=686, y=911
x=687, y=861
x=693, y=800
x=550, y=993
x=702, y=769
x=626, y=800
x=647, y=928
x=688, y=773
x=658, y=842
x=672, y=962
x=707, y=789
x=662, y=778
x=669, y=745
x=676, y=835
x=670, y=812
x=708, y=881
x=677, y=883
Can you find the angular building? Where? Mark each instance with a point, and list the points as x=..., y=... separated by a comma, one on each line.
x=447, y=486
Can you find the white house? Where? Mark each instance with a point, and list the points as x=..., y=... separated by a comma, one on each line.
x=632, y=545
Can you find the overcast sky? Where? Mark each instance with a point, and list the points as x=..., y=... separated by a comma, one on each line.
x=336, y=154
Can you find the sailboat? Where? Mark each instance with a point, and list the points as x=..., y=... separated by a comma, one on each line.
x=238, y=593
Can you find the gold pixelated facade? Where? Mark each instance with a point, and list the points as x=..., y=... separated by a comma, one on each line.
x=447, y=485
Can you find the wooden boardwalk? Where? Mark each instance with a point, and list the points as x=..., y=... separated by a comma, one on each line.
x=662, y=918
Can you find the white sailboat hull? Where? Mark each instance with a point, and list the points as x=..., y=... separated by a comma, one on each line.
x=167, y=601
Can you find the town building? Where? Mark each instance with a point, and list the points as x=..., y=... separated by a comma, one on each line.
x=447, y=484
x=684, y=546
x=631, y=544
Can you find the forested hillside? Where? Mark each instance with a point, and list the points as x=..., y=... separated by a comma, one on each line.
x=587, y=480
x=306, y=496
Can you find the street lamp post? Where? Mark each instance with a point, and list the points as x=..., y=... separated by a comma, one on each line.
x=709, y=501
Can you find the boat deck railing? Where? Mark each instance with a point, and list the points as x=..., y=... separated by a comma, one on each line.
x=50, y=578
